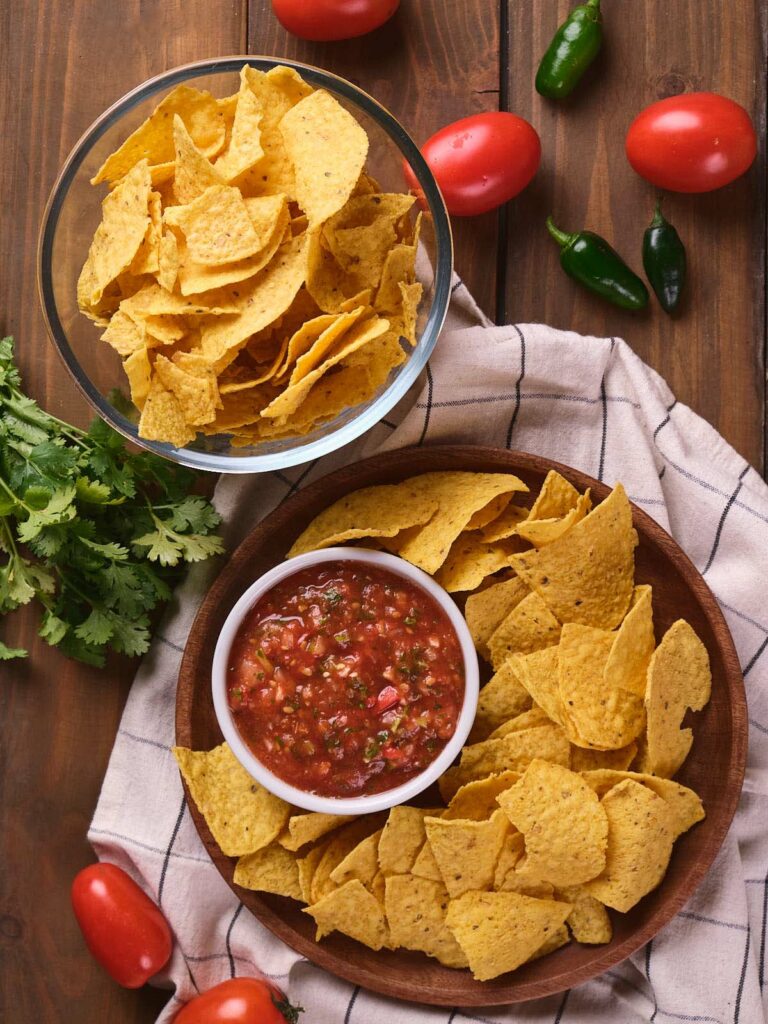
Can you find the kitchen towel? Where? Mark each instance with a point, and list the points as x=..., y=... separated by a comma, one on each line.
x=590, y=403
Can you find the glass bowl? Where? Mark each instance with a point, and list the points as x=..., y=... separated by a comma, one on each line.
x=74, y=211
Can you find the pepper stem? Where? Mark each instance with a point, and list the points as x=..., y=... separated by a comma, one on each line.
x=594, y=4
x=658, y=217
x=561, y=237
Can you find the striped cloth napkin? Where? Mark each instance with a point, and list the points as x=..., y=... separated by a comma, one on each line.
x=587, y=402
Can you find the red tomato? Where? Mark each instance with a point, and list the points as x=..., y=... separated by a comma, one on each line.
x=124, y=930
x=239, y=1001
x=324, y=20
x=691, y=143
x=481, y=161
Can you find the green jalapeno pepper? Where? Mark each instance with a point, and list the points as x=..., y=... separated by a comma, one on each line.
x=573, y=48
x=590, y=260
x=664, y=261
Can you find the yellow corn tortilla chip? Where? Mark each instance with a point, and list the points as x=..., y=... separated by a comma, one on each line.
x=564, y=825
x=362, y=862
x=538, y=675
x=556, y=497
x=416, y=909
x=193, y=383
x=138, y=370
x=500, y=699
x=194, y=172
x=153, y=139
x=541, y=532
x=306, y=828
x=243, y=816
x=168, y=261
x=399, y=268
x=305, y=336
x=526, y=885
x=559, y=938
x=217, y=226
x=588, y=921
x=328, y=340
x=378, y=886
x=353, y=911
x=146, y=260
x=470, y=560
x=485, y=610
x=586, y=576
x=381, y=511
x=627, y=666
x=640, y=836
x=307, y=865
x=499, y=931
x=492, y=511
x=466, y=851
x=685, y=805
x=506, y=524
x=163, y=330
x=244, y=379
x=515, y=751
x=362, y=233
x=162, y=418
x=425, y=865
x=594, y=715
x=527, y=720
x=512, y=849
x=378, y=359
x=405, y=323
x=402, y=838
x=124, y=223
x=288, y=401
x=476, y=801
x=258, y=303
x=459, y=495
x=124, y=334
x=328, y=149
x=152, y=300
x=341, y=843
x=271, y=869
x=244, y=149
x=585, y=760
x=530, y=626
x=679, y=678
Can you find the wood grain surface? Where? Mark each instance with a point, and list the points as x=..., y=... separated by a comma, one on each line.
x=61, y=65
x=714, y=768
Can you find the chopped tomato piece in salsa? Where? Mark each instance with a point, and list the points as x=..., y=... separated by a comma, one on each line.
x=345, y=679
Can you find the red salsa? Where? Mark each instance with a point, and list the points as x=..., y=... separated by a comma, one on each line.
x=345, y=679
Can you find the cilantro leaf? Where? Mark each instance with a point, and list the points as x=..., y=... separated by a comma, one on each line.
x=9, y=653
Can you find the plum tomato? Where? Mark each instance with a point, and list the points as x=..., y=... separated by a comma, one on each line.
x=239, y=1001
x=326, y=20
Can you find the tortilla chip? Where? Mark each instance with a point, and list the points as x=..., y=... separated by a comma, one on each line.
x=485, y=610
x=515, y=752
x=512, y=849
x=538, y=674
x=525, y=884
x=585, y=760
x=466, y=851
x=153, y=139
x=242, y=816
x=593, y=714
x=685, y=806
x=476, y=801
x=541, y=532
x=217, y=226
x=138, y=370
x=162, y=417
x=151, y=300
x=627, y=666
x=307, y=866
x=527, y=720
x=353, y=911
x=588, y=921
x=559, y=938
x=416, y=910
x=425, y=865
x=586, y=576
x=499, y=931
x=362, y=862
x=333, y=335
x=125, y=334
x=194, y=172
x=271, y=869
x=530, y=626
x=328, y=149
x=337, y=847
x=244, y=149
x=459, y=495
x=362, y=233
x=492, y=511
x=679, y=678
x=506, y=524
x=564, y=825
x=500, y=699
x=402, y=838
x=381, y=511
x=306, y=828
x=193, y=383
x=168, y=261
x=640, y=836
x=399, y=268
x=555, y=499
x=146, y=260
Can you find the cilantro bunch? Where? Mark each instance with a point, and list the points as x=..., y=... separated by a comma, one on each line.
x=96, y=533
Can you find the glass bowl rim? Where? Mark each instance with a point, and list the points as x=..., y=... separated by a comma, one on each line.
x=417, y=359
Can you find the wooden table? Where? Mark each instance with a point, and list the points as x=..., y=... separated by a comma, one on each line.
x=436, y=61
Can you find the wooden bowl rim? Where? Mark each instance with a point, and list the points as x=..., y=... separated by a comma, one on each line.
x=480, y=993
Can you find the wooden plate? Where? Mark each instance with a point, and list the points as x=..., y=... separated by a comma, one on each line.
x=715, y=767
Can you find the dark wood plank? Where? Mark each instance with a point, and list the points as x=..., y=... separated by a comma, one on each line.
x=435, y=61
x=712, y=354
x=60, y=67
x=715, y=767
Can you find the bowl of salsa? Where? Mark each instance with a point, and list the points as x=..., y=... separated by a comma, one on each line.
x=345, y=680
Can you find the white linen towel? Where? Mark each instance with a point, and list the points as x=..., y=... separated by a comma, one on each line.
x=587, y=402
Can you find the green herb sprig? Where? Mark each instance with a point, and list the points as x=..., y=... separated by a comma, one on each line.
x=96, y=533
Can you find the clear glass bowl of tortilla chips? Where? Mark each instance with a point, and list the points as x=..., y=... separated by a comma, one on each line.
x=236, y=233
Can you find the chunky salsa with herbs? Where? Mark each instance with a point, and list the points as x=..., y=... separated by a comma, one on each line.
x=345, y=679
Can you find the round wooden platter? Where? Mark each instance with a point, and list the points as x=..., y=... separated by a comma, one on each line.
x=714, y=768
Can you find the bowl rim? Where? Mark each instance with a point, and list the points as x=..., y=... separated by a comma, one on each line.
x=380, y=406
x=373, y=802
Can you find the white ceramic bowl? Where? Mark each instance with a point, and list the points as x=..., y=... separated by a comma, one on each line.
x=340, y=805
